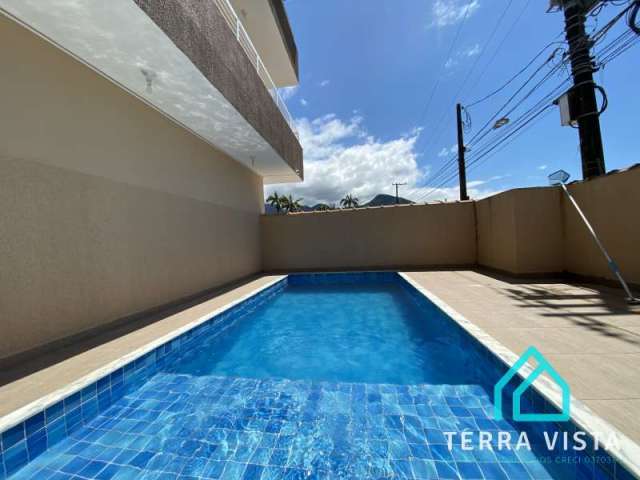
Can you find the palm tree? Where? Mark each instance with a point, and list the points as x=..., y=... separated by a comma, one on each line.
x=291, y=205
x=275, y=201
x=349, y=201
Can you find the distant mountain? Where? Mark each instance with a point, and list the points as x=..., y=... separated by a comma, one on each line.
x=379, y=200
x=383, y=199
x=269, y=210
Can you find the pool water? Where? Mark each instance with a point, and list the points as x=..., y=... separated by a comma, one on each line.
x=371, y=333
x=329, y=377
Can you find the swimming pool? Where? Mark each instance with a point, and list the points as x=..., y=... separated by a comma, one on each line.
x=364, y=332
x=317, y=376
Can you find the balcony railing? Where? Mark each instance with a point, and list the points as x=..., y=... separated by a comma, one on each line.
x=244, y=40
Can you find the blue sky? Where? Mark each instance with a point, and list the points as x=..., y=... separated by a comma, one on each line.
x=369, y=67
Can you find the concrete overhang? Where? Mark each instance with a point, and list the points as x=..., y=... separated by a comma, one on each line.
x=268, y=26
x=180, y=57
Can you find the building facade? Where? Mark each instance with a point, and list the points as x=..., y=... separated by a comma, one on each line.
x=135, y=140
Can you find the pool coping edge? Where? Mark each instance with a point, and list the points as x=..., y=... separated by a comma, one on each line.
x=23, y=413
x=628, y=452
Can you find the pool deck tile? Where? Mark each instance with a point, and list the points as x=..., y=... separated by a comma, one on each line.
x=61, y=371
x=587, y=332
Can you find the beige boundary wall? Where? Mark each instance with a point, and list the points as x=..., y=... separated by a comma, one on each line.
x=537, y=230
x=523, y=231
x=612, y=204
x=430, y=235
x=107, y=207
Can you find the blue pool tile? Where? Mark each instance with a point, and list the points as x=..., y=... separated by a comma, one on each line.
x=37, y=443
x=72, y=402
x=195, y=468
x=424, y=469
x=54, y=412
x=145, y=422
x=469, y=470
x=516, y=471
x=233, y=471
x=441, y=453
x=493, y=471
x=446, y=471
x=402, y=468
x=253, y=472
x=12, y=436
x=34, y=423
x=92, y=469
x=538, y=471
x=622, y=474
x=15, y=457
x=420, y=451
x=142, y=459
x=75, y=466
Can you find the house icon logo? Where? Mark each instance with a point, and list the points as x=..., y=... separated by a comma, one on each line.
x=543, y=366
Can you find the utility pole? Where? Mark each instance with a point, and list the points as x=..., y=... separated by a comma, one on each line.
x=398, y=185
x=462, y=169
x=583, y=94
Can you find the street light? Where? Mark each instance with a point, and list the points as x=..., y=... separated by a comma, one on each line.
x=561, y=177
x=500, y=123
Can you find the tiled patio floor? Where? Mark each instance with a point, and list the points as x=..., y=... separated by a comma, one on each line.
x=588, y=333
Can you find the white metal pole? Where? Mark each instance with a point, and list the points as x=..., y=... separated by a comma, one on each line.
x=612, y=265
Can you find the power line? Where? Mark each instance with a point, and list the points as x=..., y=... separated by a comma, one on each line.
x=452, y=160
x=475, y=63
x=484, y=131
x=451, y=48
x=511, y=80
x=445, y=169
x=476, y=163
x=618, y=46
x=618, y=49
x=502, y=42
x=471, y=164
x=515, y=129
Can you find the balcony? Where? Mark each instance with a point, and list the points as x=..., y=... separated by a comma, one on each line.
x=191, y=60
x=268, y=26
x=284, y=64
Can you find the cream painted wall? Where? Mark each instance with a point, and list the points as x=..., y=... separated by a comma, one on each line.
x=612, y=205
x=108, y=208
x=425, y=235
x=521, y=231
x=537, y=230
x=496, y=232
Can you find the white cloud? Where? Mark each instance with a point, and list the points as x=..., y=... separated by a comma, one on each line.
x=341, y=157
x=450, y=63
x=542, y=167
x=288, y=92
x=450, y=12
x=303, y=102
x=445, y=152
x=468, y=52
x=472, y=51
x=324, y=83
